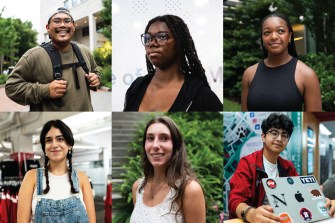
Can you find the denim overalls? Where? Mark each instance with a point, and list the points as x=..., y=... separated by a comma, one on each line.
x=69, y=210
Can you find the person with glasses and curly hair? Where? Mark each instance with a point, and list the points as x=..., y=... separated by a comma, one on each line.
x=280, y=82
x=169, y=191
x=57, y=192
x=247, y=199
x=176, y=80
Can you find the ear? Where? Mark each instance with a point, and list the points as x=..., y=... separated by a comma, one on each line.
x=263, y=137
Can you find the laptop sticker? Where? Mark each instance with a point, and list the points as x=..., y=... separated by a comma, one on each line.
x=299, y=197
x=290, y=180
x=315, y=194
x=276, y=200
x=306, y=214
x=322, y=209
x=271, y=184
x=308, y=180
x=285, y=218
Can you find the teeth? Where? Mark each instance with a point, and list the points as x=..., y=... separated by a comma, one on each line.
x=156, y=155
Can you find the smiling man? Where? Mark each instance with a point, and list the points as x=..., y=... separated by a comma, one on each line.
x=55, y=76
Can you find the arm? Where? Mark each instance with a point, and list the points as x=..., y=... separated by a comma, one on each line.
x=194, y=209
x=258, y=215
x=87, y=196
x=133, y=190
x=248, y=75
x=311, y=88
x=25, y=197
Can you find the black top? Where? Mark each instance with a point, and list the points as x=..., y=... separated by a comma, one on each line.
x=194, y=95
x=275, y=89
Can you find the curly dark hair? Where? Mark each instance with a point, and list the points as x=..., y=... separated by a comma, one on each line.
x=291, y=46
x=279, y=121
x=190, y=63
x=68, y=136
x=178, y=171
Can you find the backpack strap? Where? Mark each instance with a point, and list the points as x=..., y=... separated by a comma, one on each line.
x=56, y=66
x=82, y=62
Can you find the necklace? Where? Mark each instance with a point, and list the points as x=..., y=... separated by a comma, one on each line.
x=152, y=191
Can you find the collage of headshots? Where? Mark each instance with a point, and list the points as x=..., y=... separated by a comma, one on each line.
x=167, y=111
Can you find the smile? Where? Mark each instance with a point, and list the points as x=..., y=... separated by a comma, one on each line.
x=157, y=155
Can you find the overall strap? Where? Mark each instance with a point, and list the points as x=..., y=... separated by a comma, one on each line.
x=75, y=180
x=39, y=181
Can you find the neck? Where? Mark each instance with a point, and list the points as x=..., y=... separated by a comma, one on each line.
x=159, y=175
x=270, y=156
x=277, y=60
x=62, y=47
x=58, y=168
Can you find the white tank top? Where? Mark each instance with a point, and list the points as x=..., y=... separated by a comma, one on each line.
x=159, y=213
x=60, y=188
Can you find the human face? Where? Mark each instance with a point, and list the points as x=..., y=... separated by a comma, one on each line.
x=161, y=56
x=275, y=140
x=56, y=148
x=61, y=28
x=275, y=35
x=158, y=145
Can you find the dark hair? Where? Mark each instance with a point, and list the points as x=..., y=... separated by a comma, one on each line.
x=178, y=170
x=279, y=121
x=68, y=136
x=291, y=46
x=190, y=63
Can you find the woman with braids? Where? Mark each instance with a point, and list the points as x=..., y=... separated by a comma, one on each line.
x=280, y=82
x=57, y=192
x=176, y=80
x=169, y=191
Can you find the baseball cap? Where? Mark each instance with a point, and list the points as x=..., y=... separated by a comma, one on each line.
x=60, y=10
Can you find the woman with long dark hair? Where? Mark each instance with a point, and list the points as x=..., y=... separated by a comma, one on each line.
x=280, y=82
x=176, y=80
x=169, y=191
x=57, y=192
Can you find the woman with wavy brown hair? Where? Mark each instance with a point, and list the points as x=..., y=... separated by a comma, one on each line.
x=169, y=191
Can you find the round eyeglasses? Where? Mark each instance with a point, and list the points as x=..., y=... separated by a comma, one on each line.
x=161, y=38
x=275, y=134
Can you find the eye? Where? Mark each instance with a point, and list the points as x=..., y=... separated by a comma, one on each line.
x=150, y=138
x=56, y=21
x=281, y=31
x=60, y=139
x=161, y=36
x=68, y=20
x=274, y=133
x=266, y=33
x=48, y=140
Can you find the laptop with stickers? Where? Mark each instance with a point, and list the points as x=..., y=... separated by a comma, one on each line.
x=297, y=199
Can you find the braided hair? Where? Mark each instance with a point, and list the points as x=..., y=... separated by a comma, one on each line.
x=190, y=63
x=68, y=136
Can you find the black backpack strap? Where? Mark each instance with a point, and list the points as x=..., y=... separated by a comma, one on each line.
x=82, y=61
x=56, y=66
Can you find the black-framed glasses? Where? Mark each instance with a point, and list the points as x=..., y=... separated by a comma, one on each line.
x=161, y=38
x=58, y=21
x=275, y=133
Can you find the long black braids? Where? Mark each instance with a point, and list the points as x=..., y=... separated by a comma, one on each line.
x=68, y=136
x=190, y=63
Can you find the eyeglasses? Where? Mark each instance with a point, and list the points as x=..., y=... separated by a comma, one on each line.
x=161, y=38
x=59, y=21
x=275, y=133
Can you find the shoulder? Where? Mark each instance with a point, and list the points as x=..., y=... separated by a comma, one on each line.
x=304, y=71
x=34, y=52
x=250, y=72
x=136, y=184
x=83, y=178
x=82, y=47
x=30, y=178
x=138, y=82
x=193, y=188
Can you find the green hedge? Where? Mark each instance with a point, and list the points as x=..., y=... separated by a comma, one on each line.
x=203, y=135
x=3, y=79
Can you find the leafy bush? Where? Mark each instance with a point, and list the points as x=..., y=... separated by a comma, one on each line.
x=3, y=79
x=323, y=65
x=106, y=76
x=103, y=55
x=203, y=135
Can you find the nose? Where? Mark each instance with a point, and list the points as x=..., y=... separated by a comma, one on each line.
x=279, y=136
x=152, y=42
x=273, y=35
x=54, y=143
x=155, y=144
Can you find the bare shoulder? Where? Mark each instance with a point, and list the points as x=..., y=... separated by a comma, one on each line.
x=135, y=185
x=303, y=70
x=30, y=175
x=249, y=73
x=193, y=188
x=83, y=178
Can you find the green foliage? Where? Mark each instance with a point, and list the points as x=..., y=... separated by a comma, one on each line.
x=106, y=76
x=3, y=79
x=230, y=105
x=203, y=137
x=103, y=55
x=323, y=65
x=106, y=15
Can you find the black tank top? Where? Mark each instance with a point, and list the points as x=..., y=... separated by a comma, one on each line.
x=274, y=89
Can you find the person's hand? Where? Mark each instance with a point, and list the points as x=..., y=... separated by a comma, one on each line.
x=329, y=204
x=57, y=88
x=93, y=79
x=263, y=214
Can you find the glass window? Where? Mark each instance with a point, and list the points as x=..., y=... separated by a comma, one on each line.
x=66, y=4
